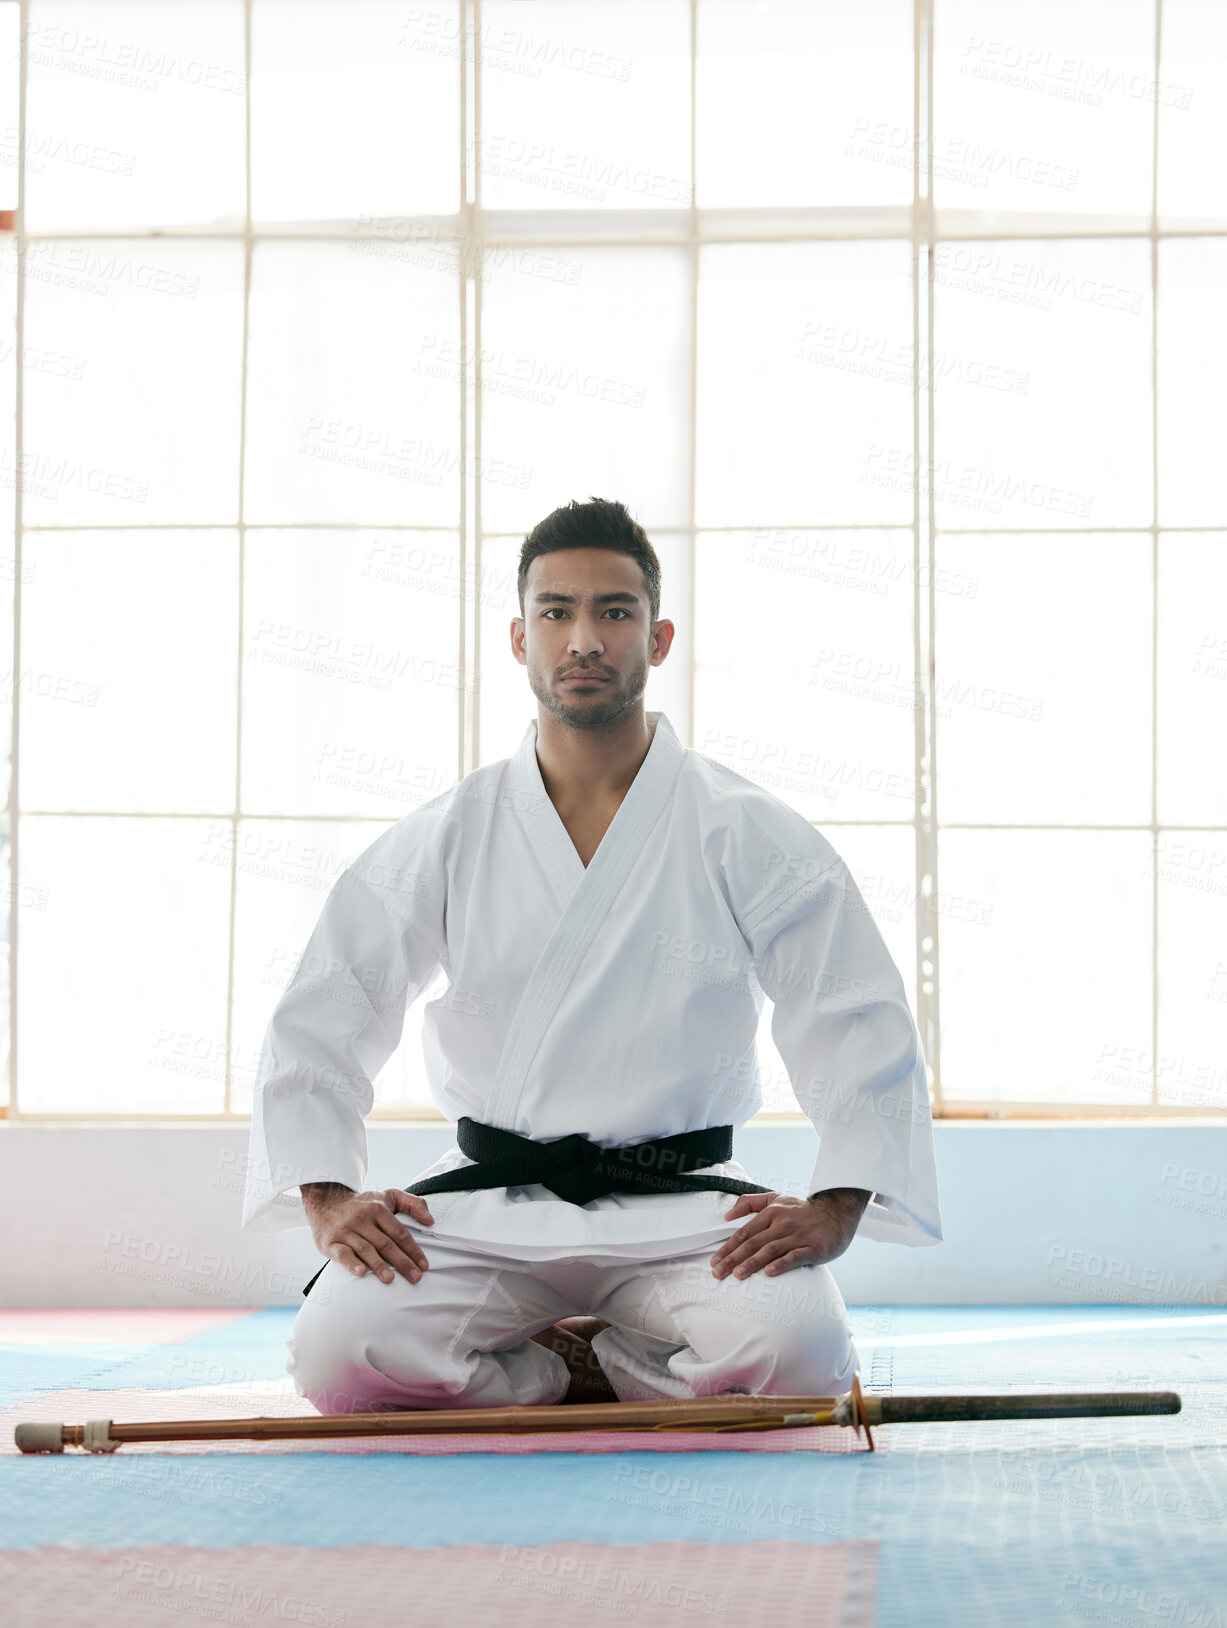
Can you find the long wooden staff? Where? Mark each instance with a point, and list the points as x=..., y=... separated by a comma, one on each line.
x=715, y=1413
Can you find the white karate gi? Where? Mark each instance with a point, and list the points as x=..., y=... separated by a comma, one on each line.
x=620, y=1001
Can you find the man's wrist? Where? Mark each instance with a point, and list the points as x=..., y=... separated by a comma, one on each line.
x=852, y=1200
x=316, y=1195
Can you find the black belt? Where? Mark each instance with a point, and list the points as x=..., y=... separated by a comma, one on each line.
x=577, y=1170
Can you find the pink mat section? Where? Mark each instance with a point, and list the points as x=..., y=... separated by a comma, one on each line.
x=112, y=1325
x=469, y=1586
x=79, y=1406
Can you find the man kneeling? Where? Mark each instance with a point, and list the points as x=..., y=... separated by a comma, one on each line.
x=610, y=908
x=380, y=1330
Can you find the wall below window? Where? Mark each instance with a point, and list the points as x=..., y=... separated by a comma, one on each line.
x=1059, y=1212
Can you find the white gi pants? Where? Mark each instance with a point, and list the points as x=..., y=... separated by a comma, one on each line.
x=460, y=1336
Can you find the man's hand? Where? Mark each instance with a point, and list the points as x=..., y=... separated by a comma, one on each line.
x=354, y=1228
x=784, y=1232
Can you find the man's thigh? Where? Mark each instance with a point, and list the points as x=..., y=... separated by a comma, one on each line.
x=787, y=1331
x=464, y=1302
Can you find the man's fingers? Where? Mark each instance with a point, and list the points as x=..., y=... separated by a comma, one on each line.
x=411, y=1203
x=743, y=1240
x=747, y=1202
x=409, y=1266
x=386, y=1223
x=785, y=1263
x=398, y=1244
x=344, y=1256
x=367, y=1252
x=732, y=1249
x=775, y=1249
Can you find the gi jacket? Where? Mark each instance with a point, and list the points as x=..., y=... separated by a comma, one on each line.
x=620, y=1001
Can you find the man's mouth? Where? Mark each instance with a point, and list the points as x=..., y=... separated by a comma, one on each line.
x=579, y=675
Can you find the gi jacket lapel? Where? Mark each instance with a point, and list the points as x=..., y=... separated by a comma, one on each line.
x=584, y=894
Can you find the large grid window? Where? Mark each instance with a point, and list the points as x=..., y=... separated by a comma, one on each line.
x=900, y=327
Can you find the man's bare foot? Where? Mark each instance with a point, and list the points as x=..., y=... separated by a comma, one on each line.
x=569, y=1338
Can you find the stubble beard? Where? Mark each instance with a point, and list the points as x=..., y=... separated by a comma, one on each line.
x=594, y=713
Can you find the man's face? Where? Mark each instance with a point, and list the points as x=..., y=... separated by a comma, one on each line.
x=586, y=636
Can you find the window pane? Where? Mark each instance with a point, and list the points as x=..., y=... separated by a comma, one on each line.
x=1193, y=969
x=883, y=866
x=1065, y=432
x=285, y=869
x=135, y=114
x=1047, y=1002
x=121, y=970
x=505, y=699
x=804, y=392
x=1044, y=679
x=1192, y=95
x=10, y=69
x=134, y=419
x=804, y=678
x=350, y=414
x=351, y=682
x=584, y=387
x=882, y=859
x=129, y=666
x=1044, y=107
x=1192, y=357
x=8, y=574
x=801, y=102
x=353, y=103
x=584, y=105
x=1193, y=679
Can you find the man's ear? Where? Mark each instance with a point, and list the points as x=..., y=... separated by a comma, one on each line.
x=662, y=637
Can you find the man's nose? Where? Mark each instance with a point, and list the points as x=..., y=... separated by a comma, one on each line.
x=585, y=637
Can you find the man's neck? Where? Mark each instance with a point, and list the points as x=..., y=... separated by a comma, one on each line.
x=582, y=766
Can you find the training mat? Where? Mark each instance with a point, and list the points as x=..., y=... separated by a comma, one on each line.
x=1107, y=1521
x=467, y=1586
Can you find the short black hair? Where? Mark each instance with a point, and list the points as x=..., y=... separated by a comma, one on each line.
x=599, y=523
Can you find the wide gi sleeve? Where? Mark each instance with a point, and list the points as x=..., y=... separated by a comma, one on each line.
x=376, y=946
x=843, y=1027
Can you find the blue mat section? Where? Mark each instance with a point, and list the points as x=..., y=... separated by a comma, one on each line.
x=1120, y=1521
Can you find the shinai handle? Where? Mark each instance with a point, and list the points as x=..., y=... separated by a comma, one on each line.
x=1099, y=1404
